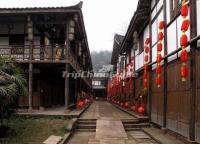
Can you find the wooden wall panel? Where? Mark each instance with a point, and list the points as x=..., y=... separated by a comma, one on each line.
x=138, y=85
x=197, y=120
x=157, y=99
x=178, y=100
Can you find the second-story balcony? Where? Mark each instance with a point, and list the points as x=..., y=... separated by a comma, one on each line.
x=26, y=53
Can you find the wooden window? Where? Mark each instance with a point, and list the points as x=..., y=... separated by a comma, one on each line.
x=174, y=8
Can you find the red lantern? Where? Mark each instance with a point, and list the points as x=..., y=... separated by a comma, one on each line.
x=159, y=58
x=147, y=41
x=184, y=56
x=141, y=110
x=145, y=83
x=159, y=47
x=162, y=25
x=158, y=81
x=184, y=10
x=133, y=108
x=146, y=58
x=185, y=25
x=160, y=36
x=184, y=40
x=184, y=71
x=146, y=66
x=145, y=75
x=158, y=69
x=146, y=49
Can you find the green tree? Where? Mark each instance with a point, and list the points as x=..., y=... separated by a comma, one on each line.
x=12, y=85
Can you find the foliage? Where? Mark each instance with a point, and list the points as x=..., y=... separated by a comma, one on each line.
x=12, y=85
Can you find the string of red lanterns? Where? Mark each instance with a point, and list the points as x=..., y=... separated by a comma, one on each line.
x=159, y=53
x=184, y=40
x=146, y=59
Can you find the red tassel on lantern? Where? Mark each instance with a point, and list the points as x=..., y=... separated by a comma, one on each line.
x=159, y=47
x=184, y=40
x=184, y=56
x=185, y=25
x=184, y=10
x=159, y=58
x=160, y=36
x=147, y=41
x=146, y=49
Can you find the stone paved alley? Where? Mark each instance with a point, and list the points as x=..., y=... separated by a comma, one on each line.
x=109, y=127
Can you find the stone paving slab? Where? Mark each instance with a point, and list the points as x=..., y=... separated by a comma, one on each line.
x=110, y=129
x=53, y=140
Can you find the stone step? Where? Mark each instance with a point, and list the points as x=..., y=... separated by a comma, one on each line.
x=85, y=130
x=131, y=121
x=93, y=141
x=136, y=125
x=87, y=122
x=87, y=119
x=81, y=126
x=132, y=129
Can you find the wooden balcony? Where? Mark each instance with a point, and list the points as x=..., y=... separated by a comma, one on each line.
x=42, y=54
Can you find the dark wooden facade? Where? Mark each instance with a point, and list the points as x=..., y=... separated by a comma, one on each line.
x=175, y=105
x=47, y=42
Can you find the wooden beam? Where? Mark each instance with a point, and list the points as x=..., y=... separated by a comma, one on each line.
x=30, y=88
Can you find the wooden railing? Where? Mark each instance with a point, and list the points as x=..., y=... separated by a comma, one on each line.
x=39, y=53
x=23, y=52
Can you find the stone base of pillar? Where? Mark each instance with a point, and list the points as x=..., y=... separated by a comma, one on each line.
x=67, y=111
x=30, y=109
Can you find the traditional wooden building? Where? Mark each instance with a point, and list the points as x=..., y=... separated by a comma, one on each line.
x=48, y=43
x=162, y=47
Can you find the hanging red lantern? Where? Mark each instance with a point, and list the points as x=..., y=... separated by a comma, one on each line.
x=158, y=81
x=146, y=58
x=185, y=25
x=184, y=10
x=162, y=25
x=146, y=66
x=159, y=47
x=145, y=83
x=159, y=58
x=184, y=71
x=158, y=69
x=145, y=75
x=184, y=55
x=147, y=41
x=184, y=40
x=141, y=110
x=160, y=36
x=146, y=49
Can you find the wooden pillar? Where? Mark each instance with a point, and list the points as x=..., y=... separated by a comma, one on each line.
x=193, y=30
x=165, y=69
x=67, y=68
x=66, y=87
x=30, y=37
x=30, y=90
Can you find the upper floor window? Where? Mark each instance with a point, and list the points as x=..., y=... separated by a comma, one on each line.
x=174, y=8
x=141, y=43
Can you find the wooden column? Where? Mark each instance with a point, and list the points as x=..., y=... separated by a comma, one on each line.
x=66, y=87
x=165, y=68
x=30, y=90
x=193, y=30
x=30, y=37
x=67, y=68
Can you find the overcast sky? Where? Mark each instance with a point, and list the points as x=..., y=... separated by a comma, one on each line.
x=103, y=18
